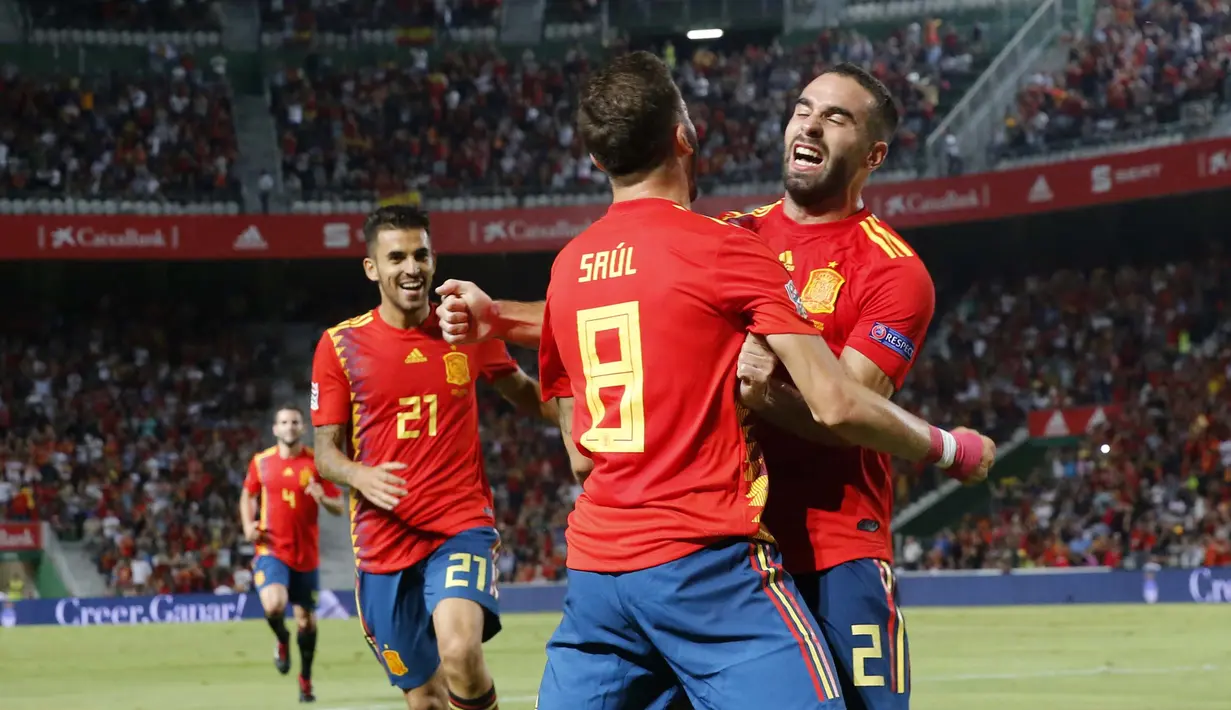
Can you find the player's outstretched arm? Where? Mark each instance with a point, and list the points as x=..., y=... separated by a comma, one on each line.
x=582, y=464
x=522, y=391
x=865, y=418
x=379, y=485
x=468, y=315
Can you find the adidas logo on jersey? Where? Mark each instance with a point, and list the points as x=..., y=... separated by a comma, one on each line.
x=414, y=357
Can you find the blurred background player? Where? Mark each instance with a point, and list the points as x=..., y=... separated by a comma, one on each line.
x=870, y=295
x=287, y=537
x=666, y=536
x=395, y=411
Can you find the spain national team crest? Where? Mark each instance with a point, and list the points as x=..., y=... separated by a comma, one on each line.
x=305, y=477
x=457, y=369
x=394, y=661
x=821, y=292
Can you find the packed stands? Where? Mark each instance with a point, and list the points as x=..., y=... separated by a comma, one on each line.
x=125, y=15
x=165, y=134
x=374, y=22
x=1139, y=70
x=471, y=119
x=131, y=430
x=1153, y=484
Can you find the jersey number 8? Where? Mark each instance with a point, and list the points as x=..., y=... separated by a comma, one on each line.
x=619, y=324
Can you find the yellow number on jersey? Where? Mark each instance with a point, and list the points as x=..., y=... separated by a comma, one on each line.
x=860, y=656
x=628, y=436
x=288, y=495
x=415, y=413
x=461, y=565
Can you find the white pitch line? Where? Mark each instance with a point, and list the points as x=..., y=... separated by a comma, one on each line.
x=1069, y=673
x=966, y=677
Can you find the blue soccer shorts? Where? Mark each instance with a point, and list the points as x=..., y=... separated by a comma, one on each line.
x=856, y=605
x=302, y=588
x=396, y=609
x=724, y=623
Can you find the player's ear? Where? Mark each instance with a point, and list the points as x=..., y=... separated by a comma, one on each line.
x=876, y=156
x=369, y=268
x=683, y=141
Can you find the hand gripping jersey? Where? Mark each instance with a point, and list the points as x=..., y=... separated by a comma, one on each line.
x=862, y=287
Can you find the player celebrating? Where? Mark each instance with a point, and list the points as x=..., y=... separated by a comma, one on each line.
x=671, y=573
x=395, y=411
x=833, y=529
x=287, y=538
x=872, y=297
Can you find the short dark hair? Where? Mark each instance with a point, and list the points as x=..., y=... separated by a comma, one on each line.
x=884, y=116
x=628, y=113
x=397, y=217
x=289, y=407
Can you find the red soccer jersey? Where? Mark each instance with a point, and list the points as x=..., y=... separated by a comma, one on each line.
x=645, y=315
x=288, y=514
x=864, y=288
x=408, y=396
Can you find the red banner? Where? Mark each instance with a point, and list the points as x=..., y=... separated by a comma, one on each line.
x=1123, y=177
x=20, y=537
x=1074, y=421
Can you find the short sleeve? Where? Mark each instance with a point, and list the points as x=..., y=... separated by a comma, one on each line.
x=494, y=360
x=553, y=378
x=895, y=309
x=252, y=482
x=329, y=401
x=752, y=284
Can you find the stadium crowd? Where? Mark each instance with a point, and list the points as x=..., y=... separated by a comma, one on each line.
x=139, y=449
x=133, y=435
x=125, y=15
x=1133, y=71
x=471, y=119
x=303, y=18
x=1153, y=483
x=165, y=134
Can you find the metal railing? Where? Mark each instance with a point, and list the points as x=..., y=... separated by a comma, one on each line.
x=969, y=120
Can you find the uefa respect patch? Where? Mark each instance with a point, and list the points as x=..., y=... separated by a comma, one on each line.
x=893, y=340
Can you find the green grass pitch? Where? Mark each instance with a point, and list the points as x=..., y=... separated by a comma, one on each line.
x=1165, y=657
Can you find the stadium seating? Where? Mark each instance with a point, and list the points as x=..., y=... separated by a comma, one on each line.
x=133, y=434
x=1152, y=485
x=1141, y=70
x=472, y=120
x=163, y=134
x=124, y=15
x=371, y=22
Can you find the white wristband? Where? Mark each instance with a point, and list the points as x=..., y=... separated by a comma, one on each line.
x=948, y=450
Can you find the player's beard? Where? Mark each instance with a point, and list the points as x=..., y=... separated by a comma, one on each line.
x=288, y=442
x=811, y=189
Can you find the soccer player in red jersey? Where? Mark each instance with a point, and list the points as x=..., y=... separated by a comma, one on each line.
x=865, y=289
x=283, y=482
x=397, y=420
x=871, y=296
x=672, y=576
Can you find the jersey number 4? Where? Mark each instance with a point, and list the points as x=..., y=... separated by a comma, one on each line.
x=616, y=326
